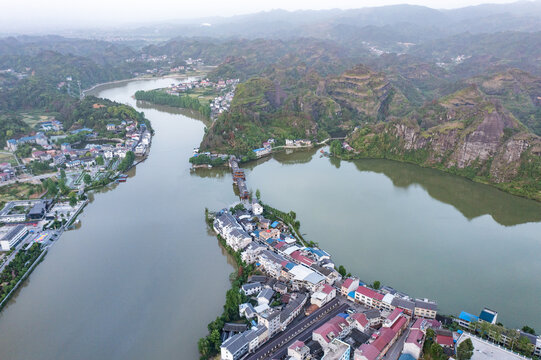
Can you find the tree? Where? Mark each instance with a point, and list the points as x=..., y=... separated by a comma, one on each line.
x=204, y=347
x=376, y=285
x=73, y=199
x=99, y=160
x=436, y=351
x=258, y=194
x=342, y=270
x=465, y=350
x=62, y=174
x=87, y=179
x=528, y=330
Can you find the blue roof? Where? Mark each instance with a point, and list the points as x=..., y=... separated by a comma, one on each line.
x=343, y=315
x=274, y=224
x=406, y=357
x=460, y=331
x=260, y=149
x=290, y=266
x=12, y=141
x=467, y=317
x=317, y=252
x=352, y=294
x=488, y=317
x=257, y=264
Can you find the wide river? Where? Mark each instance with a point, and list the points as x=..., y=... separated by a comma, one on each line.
x=141, y=277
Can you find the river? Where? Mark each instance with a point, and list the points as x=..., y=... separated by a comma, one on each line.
x=141, y=277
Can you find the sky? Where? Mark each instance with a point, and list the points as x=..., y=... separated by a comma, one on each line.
x=21, y=15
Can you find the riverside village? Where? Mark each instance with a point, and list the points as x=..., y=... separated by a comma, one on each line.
x=293, y=302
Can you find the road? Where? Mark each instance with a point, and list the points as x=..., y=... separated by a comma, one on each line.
x=278, y=346
x=395, y=350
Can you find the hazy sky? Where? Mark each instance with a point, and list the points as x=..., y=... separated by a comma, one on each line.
x=17, y=15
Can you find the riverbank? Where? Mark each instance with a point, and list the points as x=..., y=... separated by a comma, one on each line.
x=252, y=226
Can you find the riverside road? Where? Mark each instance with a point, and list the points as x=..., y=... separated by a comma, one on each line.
x=277, y=347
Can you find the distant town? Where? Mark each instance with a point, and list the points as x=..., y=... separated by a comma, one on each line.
x=296, y=303
x=61, y=166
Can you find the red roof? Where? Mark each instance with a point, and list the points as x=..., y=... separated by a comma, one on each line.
x=444, y=340
x=369, y=292
x=331, y=326
x=327, y=289
x=360, y=318
x=386, y=335
x=396, y=312
x=399, y=324
x=279, y=244
x=415, y=337
x=301, y=258
x=369, y=351
x=296, y=344
x=347, y=283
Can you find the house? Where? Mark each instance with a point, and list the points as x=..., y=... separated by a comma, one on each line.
x=445, y=339
x=489, y=316
x=349, y=285
x=111, y=127
x=336, y=327
x=298, y=350
x=337, y=350
x=265, y=296
x=292, y=309
x=392, y=318
x=240, y=344
x=360, y=321
x=65, y=147
x=323, y=295
x=414, y=343
x=425, y=308
x=262, y=152
x=368, y=297
x=234, y=235
x=271, y=320
x=257, y=209
x=247, y=310
x=251, y=288
x=251, y=252
x=467, y=320
x=406, y=305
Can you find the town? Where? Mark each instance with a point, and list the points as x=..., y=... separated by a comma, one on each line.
x=59, y=167
x=224, y=89
x=298, y=304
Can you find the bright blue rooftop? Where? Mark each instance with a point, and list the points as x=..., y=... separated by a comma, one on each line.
x=467, y=317
x=486, y=316
x=274, y=224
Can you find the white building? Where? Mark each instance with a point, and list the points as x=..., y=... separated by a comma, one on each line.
x=234, y=235
x=13, y=237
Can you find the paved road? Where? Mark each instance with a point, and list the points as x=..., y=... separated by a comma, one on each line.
x=278, y=345
x=395, y=350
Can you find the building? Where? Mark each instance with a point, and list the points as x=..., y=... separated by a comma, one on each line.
x=298, y=350
x=360, y=321
x=262, y=152
x=292, y=309
x=251, y=288
x=425, y=308
x=271, y=320
x=265, y=296
x=337, y=350
x=467, y=320
x=13, y=237
x=323, y=295
x=368, y=297
x=489, y=316
x=234, y=235
x=257, y=209
x=445, y=339
x=349, y=285
x=414, y=343
x=337, y=327
x=240, y=344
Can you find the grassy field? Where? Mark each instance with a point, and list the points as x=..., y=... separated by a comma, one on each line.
x=7, y=157
x=19, y=191
x=33, y=118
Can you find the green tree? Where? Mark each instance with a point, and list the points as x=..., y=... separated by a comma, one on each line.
x=204, y=347
x=528, y=330
x=465, y=350
x=73, y=199
x=99, y=160
x=376, y=285
x=87, y=179
x=258, y=194
x=62, y=174
x=342, y=270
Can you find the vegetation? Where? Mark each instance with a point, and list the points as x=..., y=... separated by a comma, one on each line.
x=465, y=350
x=17, y=268
x=209, y=346
x=163, y=98
x=127, y=162
x=203, y=159
x=431, y=349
